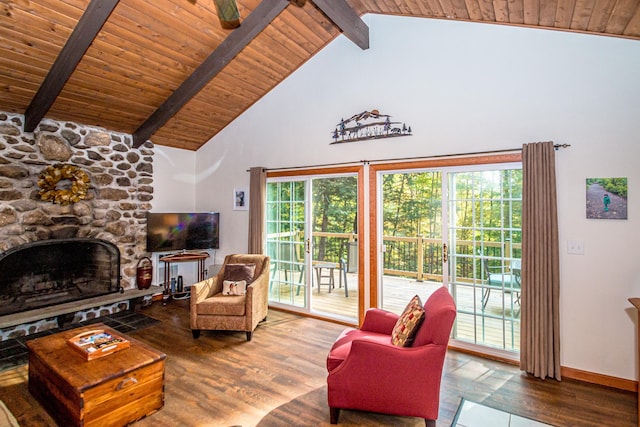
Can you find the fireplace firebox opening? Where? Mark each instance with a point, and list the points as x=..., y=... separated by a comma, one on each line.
x=56, y=271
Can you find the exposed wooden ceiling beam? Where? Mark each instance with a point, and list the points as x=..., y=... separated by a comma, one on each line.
x=251, y=26
x=89, y=25
x=347, y=20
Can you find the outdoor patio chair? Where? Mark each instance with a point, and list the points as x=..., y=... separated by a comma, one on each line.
x=288, y=260
x=501, y=279
x=318, y=266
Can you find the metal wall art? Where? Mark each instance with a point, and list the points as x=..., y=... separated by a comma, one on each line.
x=368, y=125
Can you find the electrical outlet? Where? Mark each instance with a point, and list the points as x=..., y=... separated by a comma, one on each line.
x=575, y=247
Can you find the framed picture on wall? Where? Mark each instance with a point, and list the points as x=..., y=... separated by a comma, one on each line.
x=606, y=198
x=240, y=199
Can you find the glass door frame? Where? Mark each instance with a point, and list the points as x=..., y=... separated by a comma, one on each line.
x=423, y=284
x=376, y=239
x=478, y=286
x=287, y=249
x=312, y=173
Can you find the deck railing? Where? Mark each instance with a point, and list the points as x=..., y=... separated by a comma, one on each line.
x=414, y=257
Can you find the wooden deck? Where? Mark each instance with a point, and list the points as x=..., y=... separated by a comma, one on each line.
x=488, y=328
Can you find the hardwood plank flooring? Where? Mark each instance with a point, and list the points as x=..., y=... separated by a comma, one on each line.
x=279, y=379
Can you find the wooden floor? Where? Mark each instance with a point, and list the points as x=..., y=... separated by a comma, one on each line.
x=279, y=379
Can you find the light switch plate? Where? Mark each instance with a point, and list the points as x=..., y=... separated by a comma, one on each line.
x=575, y=247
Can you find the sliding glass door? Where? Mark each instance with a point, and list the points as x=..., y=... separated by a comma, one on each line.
x=458, y=227
x=412, y=231
x=312, y=242
x=485, y=233
x=286, y=236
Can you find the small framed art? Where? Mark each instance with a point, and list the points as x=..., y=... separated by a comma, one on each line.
x=240, y=199
x=606, y=198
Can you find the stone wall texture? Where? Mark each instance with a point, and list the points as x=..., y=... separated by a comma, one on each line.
x=119, y=196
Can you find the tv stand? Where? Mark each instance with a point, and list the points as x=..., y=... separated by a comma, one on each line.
x=185, y=256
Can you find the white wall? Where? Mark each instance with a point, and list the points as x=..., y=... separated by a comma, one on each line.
x=174, y=191
x=174, y=180
x=470, y=87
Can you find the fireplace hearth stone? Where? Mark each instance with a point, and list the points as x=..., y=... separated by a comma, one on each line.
x=13, y=352
x=57, y=313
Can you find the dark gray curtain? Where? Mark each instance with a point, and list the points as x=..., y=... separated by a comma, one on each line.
x=540, y=328
x=257, y=203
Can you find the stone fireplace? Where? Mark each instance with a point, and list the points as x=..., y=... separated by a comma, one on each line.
x=56, y=271
x=118, y=195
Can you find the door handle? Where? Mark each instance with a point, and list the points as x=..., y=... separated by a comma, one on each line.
x=307, y=245
x=445, y=252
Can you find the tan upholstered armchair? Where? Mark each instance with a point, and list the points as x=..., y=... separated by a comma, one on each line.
x=232, y=310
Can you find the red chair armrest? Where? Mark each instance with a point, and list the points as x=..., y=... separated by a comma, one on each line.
x=379, y=321
x=372, y=358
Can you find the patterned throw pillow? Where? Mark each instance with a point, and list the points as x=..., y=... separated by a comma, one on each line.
x=230, y=287
x=237, y=272
x=408, y=323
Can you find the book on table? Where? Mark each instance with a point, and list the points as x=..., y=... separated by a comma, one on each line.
x=97, y=343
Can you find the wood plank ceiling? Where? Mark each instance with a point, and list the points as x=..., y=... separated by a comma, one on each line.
x=148, y=49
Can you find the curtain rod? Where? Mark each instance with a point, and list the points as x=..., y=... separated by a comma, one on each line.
x=474, y=153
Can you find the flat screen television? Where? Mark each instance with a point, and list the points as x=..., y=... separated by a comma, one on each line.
x=169, y=232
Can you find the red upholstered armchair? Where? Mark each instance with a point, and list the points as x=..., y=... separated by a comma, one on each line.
x=367, y=372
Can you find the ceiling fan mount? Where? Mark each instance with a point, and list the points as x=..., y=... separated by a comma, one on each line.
x=228, y=13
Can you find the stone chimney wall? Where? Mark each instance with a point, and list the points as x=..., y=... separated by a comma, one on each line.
x=119, y=195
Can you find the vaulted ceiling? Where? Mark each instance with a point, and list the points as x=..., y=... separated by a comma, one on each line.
x=167, y=71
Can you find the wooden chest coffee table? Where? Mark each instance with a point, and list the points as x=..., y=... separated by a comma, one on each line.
x=113, y=390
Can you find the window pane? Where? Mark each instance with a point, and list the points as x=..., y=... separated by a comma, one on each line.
x=487, y=240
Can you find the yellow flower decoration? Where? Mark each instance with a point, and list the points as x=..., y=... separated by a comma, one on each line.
x=52, y=175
